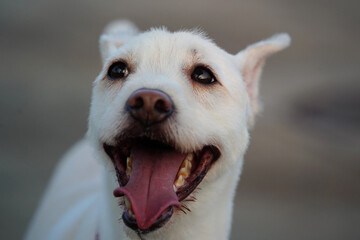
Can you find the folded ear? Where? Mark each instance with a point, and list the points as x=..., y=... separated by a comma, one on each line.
x=115, y=35
x=251, y=61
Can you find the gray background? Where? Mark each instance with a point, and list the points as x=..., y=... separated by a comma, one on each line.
x=301, y=177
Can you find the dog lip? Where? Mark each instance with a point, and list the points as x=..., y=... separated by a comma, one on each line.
x=160, y=221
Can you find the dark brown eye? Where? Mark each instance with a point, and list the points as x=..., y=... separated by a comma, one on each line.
x=118, y=70
x=203, y=75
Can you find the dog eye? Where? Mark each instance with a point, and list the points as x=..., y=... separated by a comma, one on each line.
x=203, y=75
x=118, y=70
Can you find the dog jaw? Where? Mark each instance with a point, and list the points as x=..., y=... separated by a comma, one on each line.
x=217, y=115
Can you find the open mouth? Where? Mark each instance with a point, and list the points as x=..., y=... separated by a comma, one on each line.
x=154, y=179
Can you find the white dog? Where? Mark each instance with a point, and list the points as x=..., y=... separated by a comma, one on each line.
x=168, y=129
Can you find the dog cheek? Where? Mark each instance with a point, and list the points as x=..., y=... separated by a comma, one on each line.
x=99, y=112
x=233, y=135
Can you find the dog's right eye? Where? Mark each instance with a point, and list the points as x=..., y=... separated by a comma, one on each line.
x=118, y=70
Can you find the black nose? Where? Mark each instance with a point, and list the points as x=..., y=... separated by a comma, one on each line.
x=149, y=106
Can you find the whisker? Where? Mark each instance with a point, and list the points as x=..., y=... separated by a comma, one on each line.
x=186, y=207
x=181, y=209
x=189, y=200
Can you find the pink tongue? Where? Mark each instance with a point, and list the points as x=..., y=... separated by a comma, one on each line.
x=150, y=188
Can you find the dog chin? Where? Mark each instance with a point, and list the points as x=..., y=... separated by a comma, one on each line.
x=155, y=178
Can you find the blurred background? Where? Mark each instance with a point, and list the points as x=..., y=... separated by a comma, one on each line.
x=301, y=178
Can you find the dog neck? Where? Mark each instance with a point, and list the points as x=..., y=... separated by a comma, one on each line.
x=209, y=217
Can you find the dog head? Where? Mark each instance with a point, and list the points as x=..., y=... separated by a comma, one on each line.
x=171, y=111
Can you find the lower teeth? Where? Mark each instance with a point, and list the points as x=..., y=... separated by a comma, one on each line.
x=128, y=207
x=131, y=214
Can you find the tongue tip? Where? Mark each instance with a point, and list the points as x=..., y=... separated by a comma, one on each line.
x=144, y=220
x=148, y=222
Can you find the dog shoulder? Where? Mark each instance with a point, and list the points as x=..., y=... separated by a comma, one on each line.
x=71, y=199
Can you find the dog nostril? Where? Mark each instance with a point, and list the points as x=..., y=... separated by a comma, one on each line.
x=162, y=107
x=139, y=103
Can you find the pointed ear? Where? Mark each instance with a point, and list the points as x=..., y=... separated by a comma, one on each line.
x=251, y=61
x=115, y=35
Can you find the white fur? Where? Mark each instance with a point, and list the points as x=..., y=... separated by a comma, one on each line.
x=78, y=204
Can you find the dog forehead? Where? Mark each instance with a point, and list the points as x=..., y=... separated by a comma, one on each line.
x=161, y=47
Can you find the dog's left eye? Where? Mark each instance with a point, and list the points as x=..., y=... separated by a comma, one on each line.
x=118, y=70
x=203, y=75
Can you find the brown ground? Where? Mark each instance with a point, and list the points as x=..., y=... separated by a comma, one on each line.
x=301, y=178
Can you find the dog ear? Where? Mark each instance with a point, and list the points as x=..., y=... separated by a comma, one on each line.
x=251, y=61
x=115, y=35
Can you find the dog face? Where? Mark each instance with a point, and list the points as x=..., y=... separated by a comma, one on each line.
x=172, y=111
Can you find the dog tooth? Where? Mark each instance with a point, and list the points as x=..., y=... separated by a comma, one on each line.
x=127, y=203
x=184, y=172
x=129, y=207
x=183, y=164
x=175, y=188
x=129, y=162
x=128, y=165
x=190, y=157
x=188, y=165
x=131, y=213
x=179, y=181
x=128, y=171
